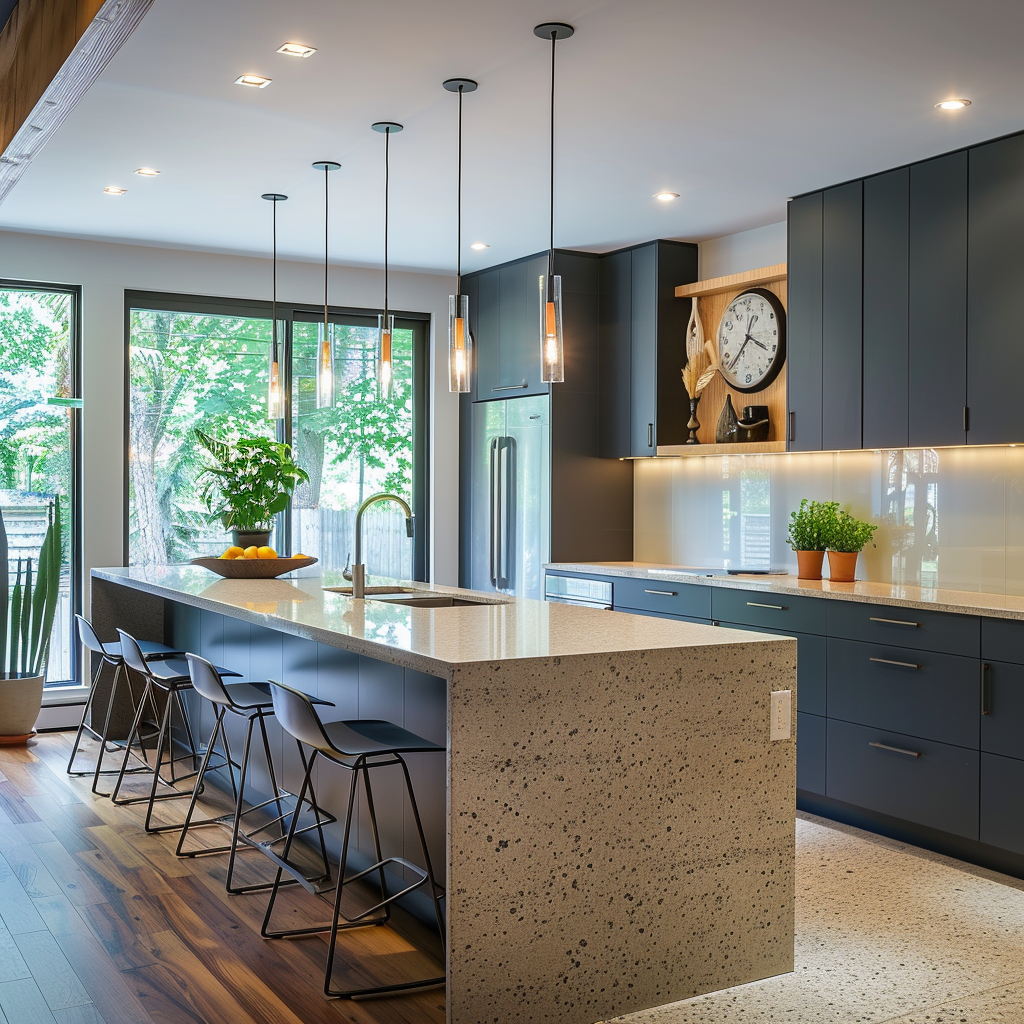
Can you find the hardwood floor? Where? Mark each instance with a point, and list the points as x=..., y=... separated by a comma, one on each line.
x=101, y=924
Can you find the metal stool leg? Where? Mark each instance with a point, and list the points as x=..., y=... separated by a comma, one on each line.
x=82, y=727
x=114, y=795
x=218, y=727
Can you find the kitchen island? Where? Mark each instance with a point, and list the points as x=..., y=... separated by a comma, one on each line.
x=616, y=826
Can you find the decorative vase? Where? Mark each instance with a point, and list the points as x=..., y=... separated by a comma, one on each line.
x=21, y=697
x=754, y=425
x=693, y=425
x=247, y=538
x=728, y=428
x=809, y=564
x=842, y=566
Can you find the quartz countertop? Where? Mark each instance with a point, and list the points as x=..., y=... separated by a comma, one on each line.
x=899, y=595
x=428, y=639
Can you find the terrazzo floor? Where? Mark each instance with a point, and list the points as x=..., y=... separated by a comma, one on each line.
x=884, y=932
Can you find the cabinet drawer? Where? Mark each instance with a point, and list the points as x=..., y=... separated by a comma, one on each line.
x=937, y=696
x=777, y=611
x=1002, y=640
x=650, y=613
x=1002, y=709
x=810, y=753
x=662, y=596
x=905, y=627
x=810, y=667
x=1002, y=802
x=929, y=783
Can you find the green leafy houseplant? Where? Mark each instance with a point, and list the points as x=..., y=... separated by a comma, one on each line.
x=26, y=625
x=847, y=533
x=251, y=482
x=809, y=525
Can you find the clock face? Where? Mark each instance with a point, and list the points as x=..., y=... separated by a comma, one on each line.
x=752, y=340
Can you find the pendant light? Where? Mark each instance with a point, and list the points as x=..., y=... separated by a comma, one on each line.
x=275, y=407
x=325, y=343
x=385, y=321
x=459, y=341
x=551, y=348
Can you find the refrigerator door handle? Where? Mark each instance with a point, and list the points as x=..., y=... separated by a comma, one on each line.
x=509, y=512
x=494, y=513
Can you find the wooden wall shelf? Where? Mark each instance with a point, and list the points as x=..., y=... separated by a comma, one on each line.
x=704, y=450
x=733, y=282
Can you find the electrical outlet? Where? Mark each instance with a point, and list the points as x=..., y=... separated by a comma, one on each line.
x=782, y=714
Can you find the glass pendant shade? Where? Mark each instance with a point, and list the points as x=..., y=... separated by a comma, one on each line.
x=551, y=348
x=385, y=366
x=459, y=343
x=274, y=409
x=325, y=367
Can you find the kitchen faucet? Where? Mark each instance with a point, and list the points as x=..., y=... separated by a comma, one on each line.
x=358, y=573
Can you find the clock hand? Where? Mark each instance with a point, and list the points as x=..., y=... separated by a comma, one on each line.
x=732, y=365
x=759, y=344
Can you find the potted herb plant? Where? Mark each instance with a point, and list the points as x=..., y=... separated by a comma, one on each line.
x=251, y=482
x=25, y=627
x=847, y=537
x=808, y=535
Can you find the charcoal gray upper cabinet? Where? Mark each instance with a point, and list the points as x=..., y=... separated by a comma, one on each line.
x=938, y=301
x=507, y=329
x=803, y=360
x=642, y=335
x=995, y=326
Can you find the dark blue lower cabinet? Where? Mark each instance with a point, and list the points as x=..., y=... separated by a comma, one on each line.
x=921, y=781
x=1002, y=719
x=810, y=753
x=1002, y=802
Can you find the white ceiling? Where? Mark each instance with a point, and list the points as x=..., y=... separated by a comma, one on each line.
x=735, y=104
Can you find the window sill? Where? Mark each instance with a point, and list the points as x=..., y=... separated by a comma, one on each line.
x=57, y=695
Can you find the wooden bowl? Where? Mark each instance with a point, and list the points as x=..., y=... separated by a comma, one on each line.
x=252, y=568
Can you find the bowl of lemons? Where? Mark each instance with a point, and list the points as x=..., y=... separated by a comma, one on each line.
x=253, y=563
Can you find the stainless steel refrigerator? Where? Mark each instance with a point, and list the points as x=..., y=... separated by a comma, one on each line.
x=511, y=495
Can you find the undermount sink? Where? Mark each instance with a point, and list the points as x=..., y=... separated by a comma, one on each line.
x=372, y=591
x=432, y=601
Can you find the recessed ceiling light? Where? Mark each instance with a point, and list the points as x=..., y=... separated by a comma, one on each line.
x=113, y=190
x=147, y=172
x=479, y=245
x=666, y=197
x=296, y=50
x=255, y=81
x=952, y=104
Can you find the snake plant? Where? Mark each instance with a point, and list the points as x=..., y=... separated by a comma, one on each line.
x=30, y=608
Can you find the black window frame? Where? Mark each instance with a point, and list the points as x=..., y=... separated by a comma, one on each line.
x=288, y=312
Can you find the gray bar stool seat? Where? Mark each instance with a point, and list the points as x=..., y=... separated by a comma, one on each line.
x=358, y=745
x=110, y=655
x=251, y=701
x=171, y=677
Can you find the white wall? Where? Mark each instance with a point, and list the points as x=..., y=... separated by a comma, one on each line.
x=105, y=271
x=747, y=250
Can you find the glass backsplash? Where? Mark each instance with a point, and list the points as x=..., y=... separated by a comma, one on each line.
x=947, y=517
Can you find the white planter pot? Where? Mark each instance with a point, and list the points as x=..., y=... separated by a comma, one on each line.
x=20, y=700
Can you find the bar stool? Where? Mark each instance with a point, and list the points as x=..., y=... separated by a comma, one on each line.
x=251, y=701
x=110, y=654
x=358, y=745
x=170, y=676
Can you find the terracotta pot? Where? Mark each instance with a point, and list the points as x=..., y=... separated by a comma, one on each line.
x=20, y=700
x=842, y=566
x=809, y=564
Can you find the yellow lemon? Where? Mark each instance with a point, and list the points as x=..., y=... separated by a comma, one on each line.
x=232, y=552
x=251, y=552
x=265, y=552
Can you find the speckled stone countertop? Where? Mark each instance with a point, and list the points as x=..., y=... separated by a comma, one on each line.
x=962, y=602
x=427, y=639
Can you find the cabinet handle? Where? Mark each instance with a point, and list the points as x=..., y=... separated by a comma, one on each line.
x=967, y=418
x=792, y=427
x=513, y=387
x=663, y=593
x=774, y=607
x=986, y=690
x=893, y=622
x=889, y=661
x=650, y=435
x=896, y=750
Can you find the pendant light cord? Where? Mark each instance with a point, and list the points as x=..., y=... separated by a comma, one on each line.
x=273, y=301
x=551, y=234
x=458, y=259
x=327, y=211
x=387, y=189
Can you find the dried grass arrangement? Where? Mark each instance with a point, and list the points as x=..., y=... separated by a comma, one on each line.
x=701, y=355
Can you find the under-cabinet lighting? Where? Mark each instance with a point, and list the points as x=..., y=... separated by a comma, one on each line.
x=666, y=197
x=296, y=50
x=479, y=245
x=952, y=104
x=113, y=190
x=147, y=172
x=254, y=81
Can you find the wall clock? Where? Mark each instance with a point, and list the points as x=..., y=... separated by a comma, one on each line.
x=752, y=340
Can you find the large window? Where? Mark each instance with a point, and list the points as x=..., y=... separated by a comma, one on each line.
x=38, y=435
x=193, y=363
